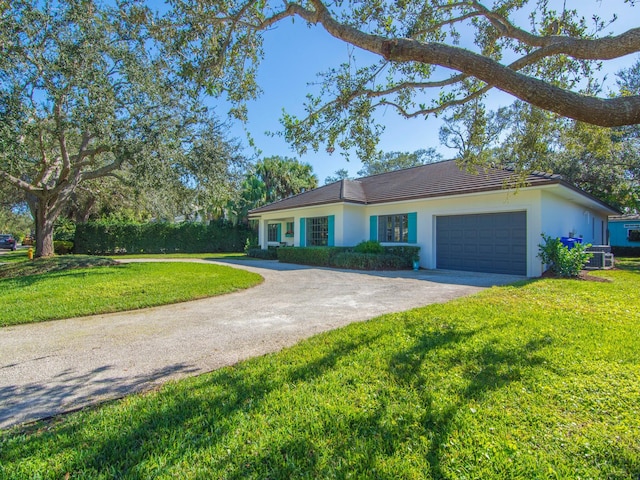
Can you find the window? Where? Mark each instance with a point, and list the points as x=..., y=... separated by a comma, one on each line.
x=289, y=231
x=272, y=232
x=317, y=231
x=393, y=228
x=634, y=235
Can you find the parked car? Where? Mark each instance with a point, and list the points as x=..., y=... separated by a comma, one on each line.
x=8, y=242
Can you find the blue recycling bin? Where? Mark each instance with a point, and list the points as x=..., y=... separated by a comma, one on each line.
x=570, y=242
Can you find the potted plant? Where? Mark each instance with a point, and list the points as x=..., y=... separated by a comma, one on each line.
x=416, y=262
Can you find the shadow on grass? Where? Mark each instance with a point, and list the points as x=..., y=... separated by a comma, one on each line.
x=69, y=391
x=223, y=425
x=24, y=279
x=482, y=371
x=43, y=266
x=181, y=420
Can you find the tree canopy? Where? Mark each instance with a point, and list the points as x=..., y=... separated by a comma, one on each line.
x=85, y=94
x=431, y=56
x=272, y=179
x=391, y=161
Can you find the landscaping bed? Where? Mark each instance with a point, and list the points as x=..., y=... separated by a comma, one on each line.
x=365, y=256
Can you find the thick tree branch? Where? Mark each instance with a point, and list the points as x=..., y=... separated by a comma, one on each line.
x=21, y=184
x=608, y=112
x=102, y=171
x=605, y=48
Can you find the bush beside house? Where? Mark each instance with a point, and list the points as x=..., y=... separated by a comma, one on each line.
x=562, y=260
x=360, y=257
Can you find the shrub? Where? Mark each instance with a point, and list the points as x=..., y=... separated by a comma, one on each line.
x=367, y=261
x=248, y=246
x=62, y=247
x=106, y=238
x=270, y=253
x=561, y=260
x=317, y=256
x=407, y=253
x=347, y=257
x=626, y=251
x=370, y=246
x=64, y=229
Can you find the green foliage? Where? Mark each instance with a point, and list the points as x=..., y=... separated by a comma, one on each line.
x=85, y=94
x=371, y=257
x=64, y=230
x=427, y=57
x=103, y=238
x=71, y=286
x=369, y=246
x=340, y=174
x=560, y=259
x=626, y=251
x=317, y=256
x=391, y=161
x=15, y=220
x=368, y=261
x=604, y=162
x=270, y=253
x=62, y=247
x=407, y=253
x=535, y=380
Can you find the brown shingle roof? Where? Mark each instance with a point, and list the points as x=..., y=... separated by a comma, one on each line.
x=426, y=181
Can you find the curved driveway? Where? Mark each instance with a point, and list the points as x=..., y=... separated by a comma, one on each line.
x=53, y=367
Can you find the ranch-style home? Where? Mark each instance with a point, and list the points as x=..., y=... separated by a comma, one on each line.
x=459, y=219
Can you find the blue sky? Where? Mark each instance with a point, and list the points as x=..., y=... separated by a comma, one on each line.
x=295, y=53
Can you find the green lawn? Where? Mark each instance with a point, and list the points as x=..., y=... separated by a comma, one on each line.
x=203, y=256
x=535, y=380
x=76, y=285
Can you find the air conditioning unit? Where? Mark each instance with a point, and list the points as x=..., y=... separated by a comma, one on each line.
x=602, y=257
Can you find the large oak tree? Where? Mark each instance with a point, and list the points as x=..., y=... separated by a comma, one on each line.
x=84, y=94
x=431, y=55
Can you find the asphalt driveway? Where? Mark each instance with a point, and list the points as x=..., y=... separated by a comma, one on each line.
x=54, y=367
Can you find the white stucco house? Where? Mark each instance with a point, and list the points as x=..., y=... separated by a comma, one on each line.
x=460, y=220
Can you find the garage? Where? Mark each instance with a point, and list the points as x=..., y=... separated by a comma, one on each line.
x=490, y=242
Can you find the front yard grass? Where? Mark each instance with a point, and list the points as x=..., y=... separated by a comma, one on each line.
x=76, y=285
x=203, y=256
x=535, y=380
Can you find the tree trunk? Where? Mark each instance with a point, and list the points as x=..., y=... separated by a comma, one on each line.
x=45, y=217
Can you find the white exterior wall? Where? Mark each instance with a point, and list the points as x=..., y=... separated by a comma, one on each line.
x=554, y=211
x=500, y=202
x=355, y=225
x=338, y=210
x=562, y=218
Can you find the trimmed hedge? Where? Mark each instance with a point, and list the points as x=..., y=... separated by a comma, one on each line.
x=269, y=254
x=626, y=251
x=393, y=258
x=317, y=256
x=368, y=261
x=101, y=238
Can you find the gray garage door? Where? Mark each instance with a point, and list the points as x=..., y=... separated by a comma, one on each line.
x=493, y=243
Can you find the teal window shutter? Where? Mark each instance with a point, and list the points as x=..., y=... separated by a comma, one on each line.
x=412, y=220
x=279, y=234
x=331, y=220
x=373, y=228
x=303, y=232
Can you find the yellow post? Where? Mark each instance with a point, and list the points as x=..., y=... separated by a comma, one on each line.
x=30, y=253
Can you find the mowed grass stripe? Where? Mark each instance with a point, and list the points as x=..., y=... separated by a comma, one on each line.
x=88, y=291
x=535, y=380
